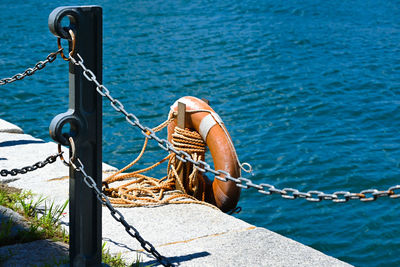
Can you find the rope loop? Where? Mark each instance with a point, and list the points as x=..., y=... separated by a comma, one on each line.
x=246, y=167
x=138, y=189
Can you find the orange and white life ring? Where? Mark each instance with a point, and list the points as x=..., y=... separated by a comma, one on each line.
x=203, y=119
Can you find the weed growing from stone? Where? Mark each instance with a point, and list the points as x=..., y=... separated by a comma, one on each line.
x=112, y=260
x=118, y=261
x=41, y=226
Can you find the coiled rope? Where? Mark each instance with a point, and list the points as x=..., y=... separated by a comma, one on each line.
x=142, y=190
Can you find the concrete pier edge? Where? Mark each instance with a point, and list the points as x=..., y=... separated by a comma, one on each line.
x=187, y=234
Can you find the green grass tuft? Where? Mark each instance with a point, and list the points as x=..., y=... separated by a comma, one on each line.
x=44, y=225
x=41, y=226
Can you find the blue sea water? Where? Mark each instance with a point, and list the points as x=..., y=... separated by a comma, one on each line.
x=309, y=91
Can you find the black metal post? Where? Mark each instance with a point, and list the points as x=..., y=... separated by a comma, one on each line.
x=85, y=119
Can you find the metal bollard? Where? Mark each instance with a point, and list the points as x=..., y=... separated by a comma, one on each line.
x=84, y=117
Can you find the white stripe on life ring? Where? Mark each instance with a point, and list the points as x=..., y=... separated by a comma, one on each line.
x=207, y=123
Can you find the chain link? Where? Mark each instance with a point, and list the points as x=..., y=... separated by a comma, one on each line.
x=37, y=165
x=117, y=215
x=266, y=189
x=30, y=71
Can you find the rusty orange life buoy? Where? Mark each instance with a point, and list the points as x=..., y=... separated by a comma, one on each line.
x=203, y=119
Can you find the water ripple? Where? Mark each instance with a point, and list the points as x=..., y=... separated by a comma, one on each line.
x=308, y=90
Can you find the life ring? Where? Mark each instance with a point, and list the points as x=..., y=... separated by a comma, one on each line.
x=203, y=119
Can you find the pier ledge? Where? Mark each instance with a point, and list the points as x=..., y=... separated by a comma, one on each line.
x=187, y=234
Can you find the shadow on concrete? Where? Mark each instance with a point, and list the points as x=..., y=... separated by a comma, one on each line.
x=9, y=180
x=21, y=142
x=121, y=245
x=176, y=261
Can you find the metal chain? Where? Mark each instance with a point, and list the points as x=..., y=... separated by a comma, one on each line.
x=265, y=189
x=37, y=165
x=117, y=215
x=30, y=71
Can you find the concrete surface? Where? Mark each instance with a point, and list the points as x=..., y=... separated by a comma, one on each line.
x=187, y=234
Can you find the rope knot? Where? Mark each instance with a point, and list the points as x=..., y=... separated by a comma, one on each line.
x=191, y=182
